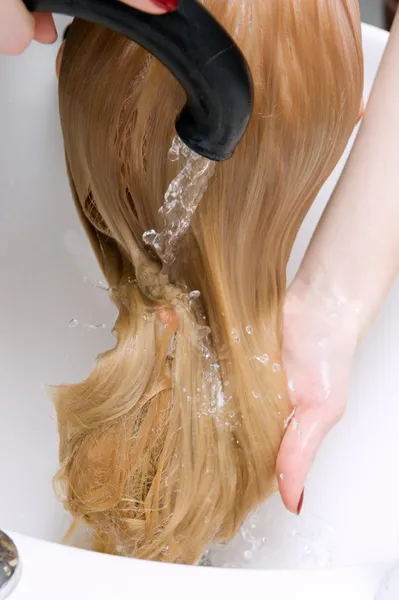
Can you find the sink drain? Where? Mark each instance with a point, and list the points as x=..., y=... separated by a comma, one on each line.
x=9, y=566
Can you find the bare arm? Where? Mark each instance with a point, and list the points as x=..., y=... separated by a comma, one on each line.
x=354, y=253
x=345, y=276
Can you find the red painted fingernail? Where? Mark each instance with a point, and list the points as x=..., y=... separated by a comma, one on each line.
x=167, y=5
x=298, y=512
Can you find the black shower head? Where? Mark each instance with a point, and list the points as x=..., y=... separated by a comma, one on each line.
x=198, y=52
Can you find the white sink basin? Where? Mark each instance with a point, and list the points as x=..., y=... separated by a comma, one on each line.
x=48, y=274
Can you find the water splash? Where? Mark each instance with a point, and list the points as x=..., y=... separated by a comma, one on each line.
x=172, y=348
x=212, y=380
x=215, y=401
x=149, y=237
x=181, y=200
x=180, y=203
x=315, y=556
x=263, y=359
x=194, y=295
x=74, y=323
x=92, y=327
x=235, y=336
x=273, y=539
x=295, y=425
x=248, y=555
x=97, y=283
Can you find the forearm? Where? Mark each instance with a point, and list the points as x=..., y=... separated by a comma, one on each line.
x=354, y=253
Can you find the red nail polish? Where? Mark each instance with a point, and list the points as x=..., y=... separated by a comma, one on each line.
x=298, y=512
x=167, y=5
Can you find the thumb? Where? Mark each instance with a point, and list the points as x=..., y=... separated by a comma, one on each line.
x=304, y=435
x=16, y=27
x=156, y=7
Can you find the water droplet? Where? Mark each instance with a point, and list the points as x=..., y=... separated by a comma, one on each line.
x=221, y=401
x=248, y=555
x=172, y=347
x=235, y=336
x=315, y=556
x=263, y=359
x=249, y=329
x=281, y=476
x=280, y=396
x=73, y=323
x=90, y=327
x=149, y=236
x=295, y=424
x=98, y=283
x=256, y=395
x=194, y=295
x=295, y=533
x=276, y=367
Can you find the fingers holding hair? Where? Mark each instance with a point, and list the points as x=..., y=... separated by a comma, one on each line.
x=45, y=31
x=17, y=27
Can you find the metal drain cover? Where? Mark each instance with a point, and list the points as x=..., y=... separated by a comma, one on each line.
x=9, y=566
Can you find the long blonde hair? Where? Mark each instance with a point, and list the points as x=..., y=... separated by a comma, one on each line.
x=165, y=451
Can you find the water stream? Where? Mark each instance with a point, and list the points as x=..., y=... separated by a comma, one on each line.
x=181, y=200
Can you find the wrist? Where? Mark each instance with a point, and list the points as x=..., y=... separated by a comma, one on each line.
x=335, y=312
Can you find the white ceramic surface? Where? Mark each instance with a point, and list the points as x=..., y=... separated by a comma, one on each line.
x=48, y=278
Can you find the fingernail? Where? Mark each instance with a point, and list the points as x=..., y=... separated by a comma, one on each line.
x=298, y=512
x=167, y=5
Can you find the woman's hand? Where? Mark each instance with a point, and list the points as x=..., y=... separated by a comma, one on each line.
x=346, y=274
x=318, y=346
x=18, y=27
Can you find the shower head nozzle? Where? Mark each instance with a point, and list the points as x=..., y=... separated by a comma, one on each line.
x=197, y=51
